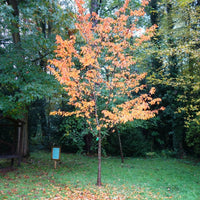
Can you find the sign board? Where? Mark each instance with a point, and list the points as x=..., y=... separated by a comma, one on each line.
x=55, y=153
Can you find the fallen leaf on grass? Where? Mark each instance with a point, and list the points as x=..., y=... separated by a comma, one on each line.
x=14, y=191
x=78, y=194
x=26, y=176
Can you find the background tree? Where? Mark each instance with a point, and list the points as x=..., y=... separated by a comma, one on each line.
x=28, y=31
x=173, y=48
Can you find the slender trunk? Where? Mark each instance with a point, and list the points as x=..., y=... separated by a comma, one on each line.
x=25, y=149
x=99, y=142
x=120, y=146
x=99, y=160
x=49, y=28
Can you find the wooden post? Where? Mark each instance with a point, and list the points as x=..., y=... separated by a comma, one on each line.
x=55, y=162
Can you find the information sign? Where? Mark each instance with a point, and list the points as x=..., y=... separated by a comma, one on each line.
x=55, y=153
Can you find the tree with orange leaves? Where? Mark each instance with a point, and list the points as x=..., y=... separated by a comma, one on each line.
x=101, y=86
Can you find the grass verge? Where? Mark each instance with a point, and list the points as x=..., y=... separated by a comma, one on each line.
x=75, y=178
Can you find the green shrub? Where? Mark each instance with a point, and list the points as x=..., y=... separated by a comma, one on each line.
x=134, y=142
x=193, y=136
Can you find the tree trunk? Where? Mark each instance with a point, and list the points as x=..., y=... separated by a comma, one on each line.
x=154, y=16
x=99, y=160
x=173, y=68
x=25, y=148
x=15, y=31
x=120, y=147
x=94, y=7
x=16, y=40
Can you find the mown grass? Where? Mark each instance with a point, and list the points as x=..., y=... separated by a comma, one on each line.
x=75, y=178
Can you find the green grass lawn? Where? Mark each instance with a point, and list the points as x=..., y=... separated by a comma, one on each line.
x=75, y=178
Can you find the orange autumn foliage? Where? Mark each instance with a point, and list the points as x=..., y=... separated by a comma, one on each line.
x=101, y=86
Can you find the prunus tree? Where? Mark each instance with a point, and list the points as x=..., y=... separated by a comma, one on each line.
x=98, y=75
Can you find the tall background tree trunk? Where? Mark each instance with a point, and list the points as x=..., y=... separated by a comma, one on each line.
x=15, y=30
x=178, y=131
x=16, y=40
x=154, y=16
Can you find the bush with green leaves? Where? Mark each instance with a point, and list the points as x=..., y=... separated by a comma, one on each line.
x=134, y=141
x=193, y=136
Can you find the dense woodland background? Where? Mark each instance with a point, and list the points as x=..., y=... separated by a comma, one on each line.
x=29, y=92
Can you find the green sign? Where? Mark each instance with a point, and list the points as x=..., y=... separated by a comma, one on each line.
x=55, y=153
